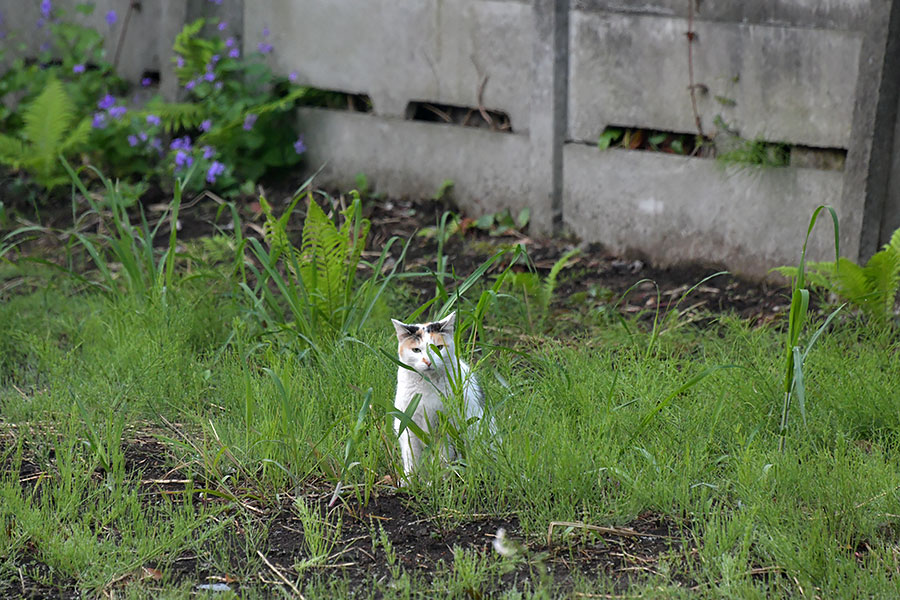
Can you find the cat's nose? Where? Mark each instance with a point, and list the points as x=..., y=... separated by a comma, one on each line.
x=426, y=361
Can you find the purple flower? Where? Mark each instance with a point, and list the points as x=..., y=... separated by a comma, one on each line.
x=44, y=47
x=223, y=26
x=179, y=61
x=183, y=159
x=205, y=124
x=99, y=120
x=107, y=102
x=190, y=85
x=154, y=120
x=265, y=31
x=142, y=136
x=156, y=143
x=111, y=18
x=146, y=82
x=132, y=140
x=218, y=85
x=46, y=7
x=182, y=143
x=215, y=58
x=293, y=77
x=117, y=112
x=230, y=42
x=265, y=47
x=209, y=76
x=79, y=68
x=234, y=53
x=208, y=152
x=249, y=121
x=299, y=146
x=214, y=171
x=216, y=1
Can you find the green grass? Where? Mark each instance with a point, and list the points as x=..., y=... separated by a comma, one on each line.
x=591, y=432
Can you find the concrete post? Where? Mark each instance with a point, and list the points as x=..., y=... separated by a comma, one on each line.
x=868, y=181
x=549, y=105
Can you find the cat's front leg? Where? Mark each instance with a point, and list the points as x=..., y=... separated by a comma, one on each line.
x=411, y=449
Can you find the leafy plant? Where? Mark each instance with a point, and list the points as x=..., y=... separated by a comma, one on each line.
x=71, y=53
x=872, y=288
x=315, y=293
x=502, y=222
x=732, y=149
x=243, y=111
x=794, y=358
x=51, y=128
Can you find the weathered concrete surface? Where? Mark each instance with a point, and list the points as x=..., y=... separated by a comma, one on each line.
x=139, y=52
x=847, y=15
x=398, y=51
x=783, y=84
x=549, y=106
x=674, y=208
x=490, y=171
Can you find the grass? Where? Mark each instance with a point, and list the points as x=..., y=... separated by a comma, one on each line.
x=253, y=438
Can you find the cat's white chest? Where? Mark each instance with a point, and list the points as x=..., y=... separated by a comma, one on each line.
x=409, y=386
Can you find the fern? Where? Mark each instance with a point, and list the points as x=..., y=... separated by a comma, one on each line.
x=46, y=134
x=872, y=288
x=323, y=269
x=329, y=257
x=178, y=115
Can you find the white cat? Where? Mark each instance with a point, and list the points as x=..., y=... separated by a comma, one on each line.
x=438, y=371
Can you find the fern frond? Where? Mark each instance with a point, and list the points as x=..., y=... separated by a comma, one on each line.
x=818, y=274
x=883, y=275
x=894, y=244
x=324, y=251
x=178, y=115
x=47, y=120
x=555, y=270
x=851, y=283
x=78, y=137
x=12, y=151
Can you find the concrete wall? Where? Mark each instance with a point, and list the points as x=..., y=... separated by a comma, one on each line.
x=823, y=77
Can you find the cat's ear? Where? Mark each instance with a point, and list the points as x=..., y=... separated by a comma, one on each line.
x=447, y=323
x=403, y=330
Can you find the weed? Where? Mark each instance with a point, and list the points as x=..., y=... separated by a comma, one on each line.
x=794, y=358
x=320, y=534
x=144, y=274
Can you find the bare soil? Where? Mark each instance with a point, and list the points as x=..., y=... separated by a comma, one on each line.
x=422, y=544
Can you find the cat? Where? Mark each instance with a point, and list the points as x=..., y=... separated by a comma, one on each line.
x=428, y=348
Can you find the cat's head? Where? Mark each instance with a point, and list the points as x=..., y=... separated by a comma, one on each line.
x=426, y=346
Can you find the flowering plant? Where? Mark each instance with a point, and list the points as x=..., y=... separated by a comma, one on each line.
x=245, y=121
x=235, y=126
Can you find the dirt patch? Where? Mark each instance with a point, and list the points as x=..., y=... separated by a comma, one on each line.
x=372, y=542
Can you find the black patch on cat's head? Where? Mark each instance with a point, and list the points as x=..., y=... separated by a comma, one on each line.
x=436, y=327
x=405, y=331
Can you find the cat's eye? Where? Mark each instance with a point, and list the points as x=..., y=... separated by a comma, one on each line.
x=416, y=350
x=439, y=347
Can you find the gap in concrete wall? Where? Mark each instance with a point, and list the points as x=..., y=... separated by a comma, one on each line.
x=726, y=146
x=465, y=116
x=824, y=159
x=654, y=140
x=336, y=100
x=152, y=76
